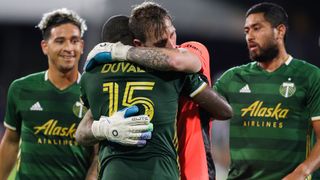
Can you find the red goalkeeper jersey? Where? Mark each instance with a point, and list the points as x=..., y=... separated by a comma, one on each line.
x=193, y=150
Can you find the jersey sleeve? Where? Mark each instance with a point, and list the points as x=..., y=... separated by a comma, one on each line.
x=313, y=96
x=83, y=94
x=202, y=52
x=194, y=84
x=12, y=118
x=221, y=86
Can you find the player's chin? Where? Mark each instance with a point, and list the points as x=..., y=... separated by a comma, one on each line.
x=253, y=56
x=67, y=67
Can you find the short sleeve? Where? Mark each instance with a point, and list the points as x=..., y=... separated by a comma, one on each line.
x=83, y=94
x=313, y=96
x=12, y=118
x=221, y=85
x=194, y=84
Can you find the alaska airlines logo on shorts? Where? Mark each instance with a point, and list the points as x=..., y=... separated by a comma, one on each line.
x=256, y=109
x=51, y=128
x=287, y=89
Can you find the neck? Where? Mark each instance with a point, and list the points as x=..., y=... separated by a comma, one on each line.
x=276, y=62
x=62, y=80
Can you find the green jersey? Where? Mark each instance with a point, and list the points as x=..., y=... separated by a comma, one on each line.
x=46, y=119
x=111, y=87
x=271, y=127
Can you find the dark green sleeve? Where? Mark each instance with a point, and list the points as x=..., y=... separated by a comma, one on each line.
x=83, y=94
x=313, y=95
x=12, y=118
x=194, y=84
x=222, y=83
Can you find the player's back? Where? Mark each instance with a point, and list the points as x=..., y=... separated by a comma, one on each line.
x=112, y=87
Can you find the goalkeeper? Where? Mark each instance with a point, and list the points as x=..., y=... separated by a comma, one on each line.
x=103, y=55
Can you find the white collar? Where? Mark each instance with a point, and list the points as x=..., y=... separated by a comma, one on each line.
x=288, y=61
x=46, y=77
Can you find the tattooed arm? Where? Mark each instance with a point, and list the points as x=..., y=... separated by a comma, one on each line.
x=162, y=59
x=165, y=59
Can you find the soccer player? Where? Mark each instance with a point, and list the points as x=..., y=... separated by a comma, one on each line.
x=191, y=139
x=194, y=142
x=143, y=53
x=110, y=87
x=43, y=109
x=116, y=29
x=276, y=103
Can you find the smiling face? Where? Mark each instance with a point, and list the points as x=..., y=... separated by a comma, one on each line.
x=63, y=48
x=261, y=38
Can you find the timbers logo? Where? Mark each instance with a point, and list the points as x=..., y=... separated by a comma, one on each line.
x=287, y=89
x=79, y=109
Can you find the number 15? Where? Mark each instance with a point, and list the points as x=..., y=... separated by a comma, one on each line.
x=128, y=99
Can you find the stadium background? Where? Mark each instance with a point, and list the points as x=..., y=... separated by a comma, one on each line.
x=216, y=23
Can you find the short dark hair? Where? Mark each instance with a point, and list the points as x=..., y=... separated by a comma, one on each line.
x=60, y=16
x=146, y=18
x=115, y=29
x=272, y=12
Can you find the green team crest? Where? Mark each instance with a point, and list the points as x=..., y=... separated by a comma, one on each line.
x=287, y=89
x=79, y=109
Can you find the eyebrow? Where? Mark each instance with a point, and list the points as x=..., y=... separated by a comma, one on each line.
x=252, y=25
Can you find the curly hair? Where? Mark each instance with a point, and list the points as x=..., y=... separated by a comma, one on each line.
x=58, y=17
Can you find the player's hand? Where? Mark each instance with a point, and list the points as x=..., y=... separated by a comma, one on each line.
x=131, y=131
x=106, y=52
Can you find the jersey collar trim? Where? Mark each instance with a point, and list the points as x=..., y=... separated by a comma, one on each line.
x=79, y=78
x=46, y=77
x=288, y=61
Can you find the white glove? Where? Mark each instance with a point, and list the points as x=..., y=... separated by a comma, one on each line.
x=106, y=52
x=125, y=131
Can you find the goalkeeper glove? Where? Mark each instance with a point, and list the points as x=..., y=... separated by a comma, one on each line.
x=125, y=131
x=106, y=52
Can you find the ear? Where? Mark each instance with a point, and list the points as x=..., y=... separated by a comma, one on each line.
x=281, y=31
x=137, y=43
x=82, y=45
x=44, y=46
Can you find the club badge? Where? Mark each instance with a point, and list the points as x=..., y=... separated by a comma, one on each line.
x=287, y=89
x=79, y=109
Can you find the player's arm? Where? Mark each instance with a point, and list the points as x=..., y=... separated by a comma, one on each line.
x=163, y=59
x=214, y=104
x=84, y=134
x=312, y=162
x=92, y=173
x=8, y=152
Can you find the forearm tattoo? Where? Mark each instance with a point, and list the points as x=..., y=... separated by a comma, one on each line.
x=150, y=57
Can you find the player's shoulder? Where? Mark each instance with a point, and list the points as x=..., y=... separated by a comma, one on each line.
x=304, y=65
x=193, y=44
x=29, y=80
x=240, y=69
x=299, y=67
x=195, y=47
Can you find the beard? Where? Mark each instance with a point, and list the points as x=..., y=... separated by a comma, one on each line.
x=65, y=69
x=265, y=54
